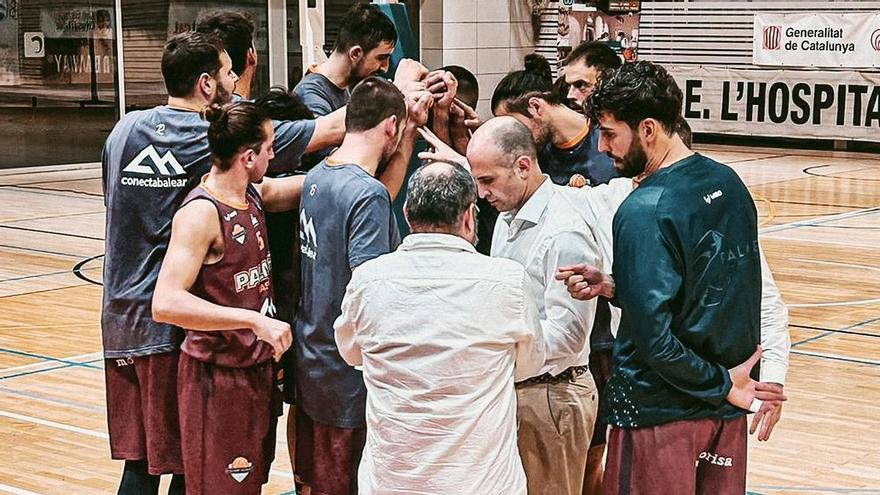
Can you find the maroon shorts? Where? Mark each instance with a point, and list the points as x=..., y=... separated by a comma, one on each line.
x=142, y=415
x=327, y=457
x=601, y=364
x=227, y=422
x=694, y=457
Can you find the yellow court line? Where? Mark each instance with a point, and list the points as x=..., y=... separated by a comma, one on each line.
x=771, y=215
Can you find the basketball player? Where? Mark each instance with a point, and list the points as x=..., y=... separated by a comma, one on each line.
x=235, y=30
x=345, y=220
x=216, y=283
x=690, y=323
x=150, y=161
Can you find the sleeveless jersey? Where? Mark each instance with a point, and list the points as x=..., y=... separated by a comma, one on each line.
x=242, y=279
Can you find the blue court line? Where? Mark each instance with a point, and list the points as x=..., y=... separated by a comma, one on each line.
x=833, y=218
x=831, y=332
x=48, y=358
x=811, y=339
x=44, y=370
x=836, y=358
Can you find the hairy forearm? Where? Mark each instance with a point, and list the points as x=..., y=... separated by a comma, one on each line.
x=395, y=173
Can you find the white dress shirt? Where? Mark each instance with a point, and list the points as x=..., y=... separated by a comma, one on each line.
x=545, y=233
x=598, y=205
x=442, y=332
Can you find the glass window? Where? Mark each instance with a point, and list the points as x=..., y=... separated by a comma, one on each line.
x=147, y=25
x=57, y=72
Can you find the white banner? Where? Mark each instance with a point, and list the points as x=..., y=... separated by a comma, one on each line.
x=781, y=103
x=816, y=40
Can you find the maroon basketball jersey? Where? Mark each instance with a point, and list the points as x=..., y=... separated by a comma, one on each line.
x=242, y=279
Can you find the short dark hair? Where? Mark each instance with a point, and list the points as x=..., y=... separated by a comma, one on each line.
x=635, y=92
x=234, y=128
x=535, y=80
x=373, y=100
x=187, y=56
x=594, y=54
x=467, y=82
x=366, y=26
x=683, y=129
x=235, y=30
x=437, y=197
x=280, y=104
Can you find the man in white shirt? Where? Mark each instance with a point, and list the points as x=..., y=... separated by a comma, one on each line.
x=442, y=332
x=541, y=229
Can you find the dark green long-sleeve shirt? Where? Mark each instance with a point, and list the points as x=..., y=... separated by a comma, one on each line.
x=688, y=280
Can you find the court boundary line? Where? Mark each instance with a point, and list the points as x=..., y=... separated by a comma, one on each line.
x=20, y=367
x=43, y=251
x=835, y=357
x=41, y=231
x=44, y=358
x=821, y=219
x=53, y=400
x=16, y=491
x=55, y=424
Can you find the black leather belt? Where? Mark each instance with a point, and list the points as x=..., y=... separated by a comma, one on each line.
x=567, y=375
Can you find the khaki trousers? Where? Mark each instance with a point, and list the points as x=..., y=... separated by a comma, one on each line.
x=555, y=423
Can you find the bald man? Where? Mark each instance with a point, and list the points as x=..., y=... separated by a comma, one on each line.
x=540, y=228
x=441, y=406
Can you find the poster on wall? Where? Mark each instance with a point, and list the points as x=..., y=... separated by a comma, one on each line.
x=816, y=40
x=9, y=47
x=781, y=103
x=77, y=40
x=613, y=22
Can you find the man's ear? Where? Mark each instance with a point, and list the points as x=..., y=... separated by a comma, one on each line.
x=355, y=53
x=649, y=129
x=251, y=57
x=390, y=127
x=207, y=85
x=535, y=106
x=248, y=158
x=524, y=166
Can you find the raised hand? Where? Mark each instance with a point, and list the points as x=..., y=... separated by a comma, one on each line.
x=419, y=104
x=442, y=151
x=585, y=282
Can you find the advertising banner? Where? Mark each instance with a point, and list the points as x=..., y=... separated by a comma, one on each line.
x=782, y=103
x=816, y=40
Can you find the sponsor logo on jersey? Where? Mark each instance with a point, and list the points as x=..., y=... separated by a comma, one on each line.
x=229, y=216
x=254, y=276
x=268, y=308
x=254, y=220
x=160, y=171
x=713, y=196
x=240, y=468
x=239, y=234
x=307, y=235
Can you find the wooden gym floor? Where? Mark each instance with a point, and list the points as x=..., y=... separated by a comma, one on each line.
x=820, y=214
